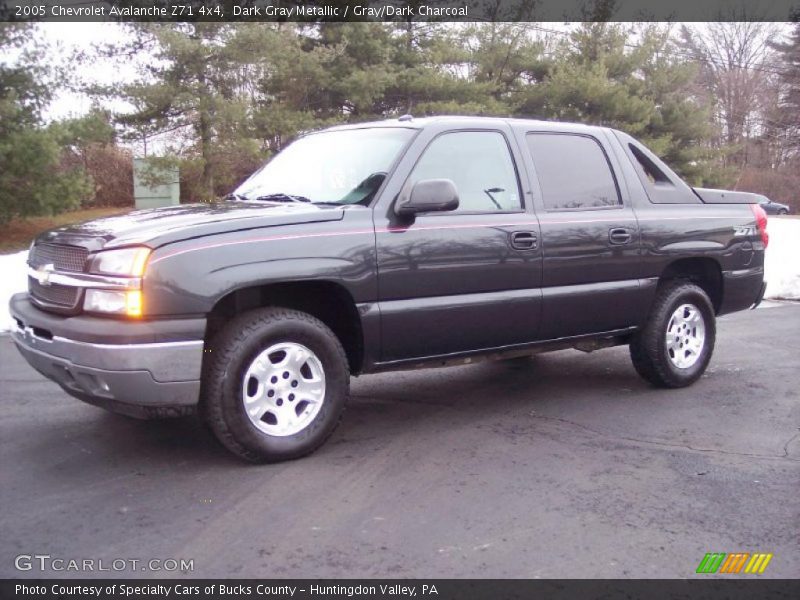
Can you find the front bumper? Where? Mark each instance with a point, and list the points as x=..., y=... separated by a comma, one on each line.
x=148, y=371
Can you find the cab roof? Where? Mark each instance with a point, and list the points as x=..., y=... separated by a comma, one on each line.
x=465, y=121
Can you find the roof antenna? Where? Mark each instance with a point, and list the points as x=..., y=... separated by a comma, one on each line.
x=406, y=118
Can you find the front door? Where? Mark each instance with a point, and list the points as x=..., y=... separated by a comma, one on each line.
x=467, y=279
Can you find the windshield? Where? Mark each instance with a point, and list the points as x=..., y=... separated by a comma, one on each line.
x=341, y=167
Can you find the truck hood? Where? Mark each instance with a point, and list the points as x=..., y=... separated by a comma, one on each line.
x=159, y=226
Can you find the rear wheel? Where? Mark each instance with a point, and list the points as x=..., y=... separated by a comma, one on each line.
x=275, y=384
x=675, y=346
x=783, y=211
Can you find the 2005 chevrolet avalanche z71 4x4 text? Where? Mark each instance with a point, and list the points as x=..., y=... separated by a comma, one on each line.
x=379, y=246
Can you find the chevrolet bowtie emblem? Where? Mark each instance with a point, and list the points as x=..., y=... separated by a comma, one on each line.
x=43, y=274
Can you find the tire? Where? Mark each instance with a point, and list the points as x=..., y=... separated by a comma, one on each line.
x=783, y=212
x=667, y=351
x=246, y=372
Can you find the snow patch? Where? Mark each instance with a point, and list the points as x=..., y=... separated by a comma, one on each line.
x=782, y=263
x=13, y=279
x=782, y=267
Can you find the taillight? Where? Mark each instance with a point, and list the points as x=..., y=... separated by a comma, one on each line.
x=761, y=222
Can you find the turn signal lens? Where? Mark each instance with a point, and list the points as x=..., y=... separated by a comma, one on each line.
x=133, y=303
x=140, y=261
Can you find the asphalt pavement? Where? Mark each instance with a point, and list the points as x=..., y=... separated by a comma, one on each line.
x=565, y=465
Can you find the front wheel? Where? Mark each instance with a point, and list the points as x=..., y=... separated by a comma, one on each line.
x=675, y=345
x=275, y=384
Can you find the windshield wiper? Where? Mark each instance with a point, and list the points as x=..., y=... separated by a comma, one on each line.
x=281, y=197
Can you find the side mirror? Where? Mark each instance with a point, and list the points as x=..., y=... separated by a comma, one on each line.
x=428, y=195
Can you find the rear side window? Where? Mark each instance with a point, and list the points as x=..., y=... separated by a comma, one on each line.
x=651, y=171
x=573, y=172
x=479, y=164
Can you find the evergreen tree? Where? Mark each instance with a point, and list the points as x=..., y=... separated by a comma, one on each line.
x=33, y=180
x=238, y=92
x=788, y=110
x=193, y=85
x=640, y=87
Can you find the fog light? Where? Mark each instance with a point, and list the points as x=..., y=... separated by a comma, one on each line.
x=119, y=303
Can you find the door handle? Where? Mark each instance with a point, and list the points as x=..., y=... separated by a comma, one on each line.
x=619, y=236
x=524, y=240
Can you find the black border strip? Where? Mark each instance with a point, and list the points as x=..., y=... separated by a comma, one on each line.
x=399, y=10
x=710, y=587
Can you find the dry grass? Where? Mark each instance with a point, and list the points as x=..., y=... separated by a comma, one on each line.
x=17, y=234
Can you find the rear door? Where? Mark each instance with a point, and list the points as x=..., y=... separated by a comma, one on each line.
x=463, y=280
x=589, y=233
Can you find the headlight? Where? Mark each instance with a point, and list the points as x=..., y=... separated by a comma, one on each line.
x=128, y=262
x=128, y=302
x=125, y=262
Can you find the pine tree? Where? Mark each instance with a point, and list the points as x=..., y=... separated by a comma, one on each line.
x=602, y=77
x=788, y=111
x=33, y=180
x=193, y=86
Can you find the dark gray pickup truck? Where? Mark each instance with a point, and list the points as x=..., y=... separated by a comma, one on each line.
x=399, y=244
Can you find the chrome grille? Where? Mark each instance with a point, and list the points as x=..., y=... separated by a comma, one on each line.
x=60, y=295
x=63, y=258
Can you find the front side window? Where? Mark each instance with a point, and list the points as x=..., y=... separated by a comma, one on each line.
x=342, y=167
x=479, y=163
x=573, y=172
